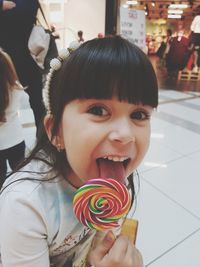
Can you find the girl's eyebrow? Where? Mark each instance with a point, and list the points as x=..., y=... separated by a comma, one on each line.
x=143, y=106
x=92, y=100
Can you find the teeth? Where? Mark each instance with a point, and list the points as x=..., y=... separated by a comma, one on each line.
x=116, y=159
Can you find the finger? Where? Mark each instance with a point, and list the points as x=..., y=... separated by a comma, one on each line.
x=105, y=245
x=12, y=4
x=102, y=248
x=8, y=5
x=133, y=256
x=119, y=249
x=140, y=259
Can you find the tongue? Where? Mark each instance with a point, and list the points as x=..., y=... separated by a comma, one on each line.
x=111, y=169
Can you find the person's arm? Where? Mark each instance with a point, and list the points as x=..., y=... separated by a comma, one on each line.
x=6, y=5
x=23, y=236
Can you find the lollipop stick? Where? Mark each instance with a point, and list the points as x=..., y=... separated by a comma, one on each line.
x=129, y=229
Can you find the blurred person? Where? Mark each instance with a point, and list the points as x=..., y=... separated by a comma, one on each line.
x=100, y=35
x=6, y=5
x=168, y=42
x=178, y=54
x=54, y=31
x=12, y=145
x=16, y=22
x=161, y=52
x=195, y=37
x=169, y=39
x=80, y=36
x=76, y=43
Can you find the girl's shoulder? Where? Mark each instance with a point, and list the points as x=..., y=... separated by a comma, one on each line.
x=18, y=86
x=16, y=91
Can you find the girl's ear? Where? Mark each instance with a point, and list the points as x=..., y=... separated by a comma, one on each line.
x=48, y=124
x=57, y=140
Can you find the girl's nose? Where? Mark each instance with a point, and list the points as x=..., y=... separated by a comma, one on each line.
x=122, y=133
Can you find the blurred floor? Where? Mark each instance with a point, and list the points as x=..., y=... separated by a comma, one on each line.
x=168, y=206
x=168, y=198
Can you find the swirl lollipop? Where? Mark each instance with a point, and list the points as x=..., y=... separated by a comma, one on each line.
x=100, y=203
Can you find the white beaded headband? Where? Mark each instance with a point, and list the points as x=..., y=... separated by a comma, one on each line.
x=55, y=65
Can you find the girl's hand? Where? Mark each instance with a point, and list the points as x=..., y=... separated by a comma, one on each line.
x=111, y=252
x=8, y=5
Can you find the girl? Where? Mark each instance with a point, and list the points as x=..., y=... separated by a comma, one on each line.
x=99, y=100
x=80, y=36
x=12, y=145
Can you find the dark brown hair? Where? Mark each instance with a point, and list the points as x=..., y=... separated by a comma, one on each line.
x=99, y=68
x=8, y=77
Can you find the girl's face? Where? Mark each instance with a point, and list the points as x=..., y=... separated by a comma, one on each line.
x=104, y=138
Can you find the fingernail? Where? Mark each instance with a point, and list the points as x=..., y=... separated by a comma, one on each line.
x=109, y=237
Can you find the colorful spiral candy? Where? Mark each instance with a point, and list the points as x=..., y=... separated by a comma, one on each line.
x=100, y=203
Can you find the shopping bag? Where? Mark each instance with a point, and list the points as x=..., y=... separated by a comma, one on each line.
x=38, y=44
x=42, y=43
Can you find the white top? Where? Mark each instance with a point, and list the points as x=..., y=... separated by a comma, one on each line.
x=195, y=26
x=11, y=132
x=38, y=226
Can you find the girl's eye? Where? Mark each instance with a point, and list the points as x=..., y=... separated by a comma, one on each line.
x=140, y=115
x=98, y=111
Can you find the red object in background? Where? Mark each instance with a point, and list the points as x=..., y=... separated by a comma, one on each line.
x=178, y=54
x=190, y=63
x=100, y=35
x=180, y=25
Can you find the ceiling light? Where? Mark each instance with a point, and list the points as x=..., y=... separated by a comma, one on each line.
x=131, y=2
x=154, y=164
x=175, y=11
x=178, y=6
x=174, y=16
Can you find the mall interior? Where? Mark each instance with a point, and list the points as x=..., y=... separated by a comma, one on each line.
x=167, y=190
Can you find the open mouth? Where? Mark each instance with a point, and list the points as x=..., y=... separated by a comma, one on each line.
x=113, y=167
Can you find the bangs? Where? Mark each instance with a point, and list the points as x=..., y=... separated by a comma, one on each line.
x=107, y=67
